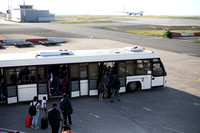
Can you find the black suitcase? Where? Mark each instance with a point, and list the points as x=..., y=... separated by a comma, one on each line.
x=44, y=123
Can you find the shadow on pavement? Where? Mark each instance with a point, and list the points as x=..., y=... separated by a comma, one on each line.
x=165, y=110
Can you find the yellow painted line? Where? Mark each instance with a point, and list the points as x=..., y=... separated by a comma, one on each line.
x=199, y=79
x=115, y=28
x=152, y=27
x=146, y=108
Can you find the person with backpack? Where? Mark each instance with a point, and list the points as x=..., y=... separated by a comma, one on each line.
x=115, y=88
x=66, y=108
x=101, y=89
x=54, y=118
x=34, y=111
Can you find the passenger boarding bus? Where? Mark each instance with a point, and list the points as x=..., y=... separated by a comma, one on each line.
x=78, y=73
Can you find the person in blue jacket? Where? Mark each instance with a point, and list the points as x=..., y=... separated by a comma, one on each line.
x=63, y=102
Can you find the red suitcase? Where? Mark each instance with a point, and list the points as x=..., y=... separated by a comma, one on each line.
x=28, y=121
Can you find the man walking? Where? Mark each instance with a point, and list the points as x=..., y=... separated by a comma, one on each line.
x=54, y=118
x=66, y=108
x=115, y=88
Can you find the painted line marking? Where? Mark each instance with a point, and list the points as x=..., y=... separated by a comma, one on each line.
x=197, y=104
x=124, y=108
x=153, y=27
x=115, y=28
x=146, y=108
x=97, y=116
x=126, y=101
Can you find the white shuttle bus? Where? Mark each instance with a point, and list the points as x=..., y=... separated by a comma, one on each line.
x=78, y=73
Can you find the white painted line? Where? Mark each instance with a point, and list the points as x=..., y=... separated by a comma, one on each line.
x=126, y=101
x=197, y=104
x=91, y=113
x=97, y=116
x=146, y=108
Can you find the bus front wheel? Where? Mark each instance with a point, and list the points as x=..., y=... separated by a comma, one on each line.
x=132, y=86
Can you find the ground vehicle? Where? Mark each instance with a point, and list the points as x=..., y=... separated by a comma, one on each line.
x=26, y=74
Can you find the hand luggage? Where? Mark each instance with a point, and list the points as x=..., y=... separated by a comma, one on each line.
x=28, y=121
x=66, y=129
x=44, y=123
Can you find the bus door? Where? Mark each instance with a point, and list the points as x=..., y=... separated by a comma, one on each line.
x=74, y=80
x=158, y=73
x=93, y=78
x=43, y=84
x=11, y=85
x=84, y=79
x=26, y=83
x=122, y=76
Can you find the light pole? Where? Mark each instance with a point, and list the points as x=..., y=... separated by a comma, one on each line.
x=8, y=5
x=24, y=12
x=8, y=11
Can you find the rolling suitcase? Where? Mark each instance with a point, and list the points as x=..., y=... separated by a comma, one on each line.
x=44, y=123
x=28, y=121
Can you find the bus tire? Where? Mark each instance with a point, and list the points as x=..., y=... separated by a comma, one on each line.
x=132, y=87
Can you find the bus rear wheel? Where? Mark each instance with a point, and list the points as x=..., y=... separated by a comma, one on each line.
x=132, y=86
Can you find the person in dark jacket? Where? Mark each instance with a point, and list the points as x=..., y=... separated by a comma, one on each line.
x=54, y=118
x=115, y=88
x=63, y=102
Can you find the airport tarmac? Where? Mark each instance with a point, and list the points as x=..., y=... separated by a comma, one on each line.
x=92, y=30
x=172, y=109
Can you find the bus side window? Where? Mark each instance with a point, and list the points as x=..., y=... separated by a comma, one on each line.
x=83, y=71
x=130, y=68
x=11, y=77
x=157, y=68
x=26, y=75
x=42, y=74
x=143, y=66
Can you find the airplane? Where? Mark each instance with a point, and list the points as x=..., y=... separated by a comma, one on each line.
x=134, y=13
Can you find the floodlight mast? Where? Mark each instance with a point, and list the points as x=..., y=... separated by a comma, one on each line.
x=24, y=12
x=8, y=5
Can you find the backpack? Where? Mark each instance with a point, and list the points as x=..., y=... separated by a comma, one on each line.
x=101, y=88
x=32, y=109
x=68, y=110
x=116, y=84
x=108, y=82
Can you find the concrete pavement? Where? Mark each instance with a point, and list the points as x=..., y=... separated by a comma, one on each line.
x=165, y=110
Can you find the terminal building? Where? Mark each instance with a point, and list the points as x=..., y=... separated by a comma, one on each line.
x=26, y=13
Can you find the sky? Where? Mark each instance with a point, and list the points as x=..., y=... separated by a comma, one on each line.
x=110, y=7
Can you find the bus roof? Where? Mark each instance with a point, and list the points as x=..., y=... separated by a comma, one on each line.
x=50, y=57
